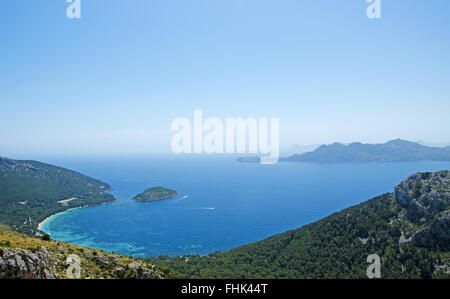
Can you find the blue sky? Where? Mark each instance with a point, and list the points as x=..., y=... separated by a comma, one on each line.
x=113, y=81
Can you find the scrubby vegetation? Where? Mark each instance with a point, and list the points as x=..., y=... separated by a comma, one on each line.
x=94, y=263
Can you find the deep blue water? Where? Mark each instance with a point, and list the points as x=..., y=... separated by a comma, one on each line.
x=228, y=203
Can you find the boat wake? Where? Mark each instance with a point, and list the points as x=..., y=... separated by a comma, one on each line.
x=180, y=199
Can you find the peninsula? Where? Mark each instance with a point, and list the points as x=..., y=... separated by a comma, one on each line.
x=393, y=151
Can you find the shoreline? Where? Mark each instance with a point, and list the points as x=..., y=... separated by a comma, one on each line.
x=39, y=227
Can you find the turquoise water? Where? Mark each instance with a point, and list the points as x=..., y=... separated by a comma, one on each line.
x=221, y=203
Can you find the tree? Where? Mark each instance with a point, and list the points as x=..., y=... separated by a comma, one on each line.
x=46, y=237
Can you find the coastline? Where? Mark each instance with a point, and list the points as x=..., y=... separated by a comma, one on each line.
x=39, y=227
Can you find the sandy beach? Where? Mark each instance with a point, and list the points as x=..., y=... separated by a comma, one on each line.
x=49, y=217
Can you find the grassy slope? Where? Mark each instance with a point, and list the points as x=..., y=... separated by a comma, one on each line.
x=91, y=265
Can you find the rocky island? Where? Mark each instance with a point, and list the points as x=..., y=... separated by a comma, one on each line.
x=155, y=193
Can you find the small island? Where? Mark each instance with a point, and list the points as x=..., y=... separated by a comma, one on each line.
x=253, y=159
x=155, y=193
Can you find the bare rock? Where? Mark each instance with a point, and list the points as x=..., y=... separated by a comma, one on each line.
x=20, y=263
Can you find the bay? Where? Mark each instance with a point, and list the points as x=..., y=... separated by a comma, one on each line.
x=221, y=204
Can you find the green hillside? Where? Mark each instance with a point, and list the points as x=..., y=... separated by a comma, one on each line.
x=31, y=191
x=408, y=229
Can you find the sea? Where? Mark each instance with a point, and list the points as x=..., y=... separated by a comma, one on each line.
x=221, y=203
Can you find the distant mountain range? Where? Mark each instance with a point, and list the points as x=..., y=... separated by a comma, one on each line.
x=393, y=151
x=297, y=149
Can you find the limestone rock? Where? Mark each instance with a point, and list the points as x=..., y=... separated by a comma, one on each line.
x=20, y=263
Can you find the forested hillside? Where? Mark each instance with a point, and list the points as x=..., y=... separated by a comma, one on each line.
x=408, y=229
x=31, y=191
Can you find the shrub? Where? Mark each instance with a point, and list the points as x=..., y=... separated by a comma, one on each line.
x=45, y=237
x=5, y=244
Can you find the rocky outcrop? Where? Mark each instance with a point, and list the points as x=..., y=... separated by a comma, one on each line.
x=437, y=234
x=426, y=198
x=45, y=263
x=140, y=271
x=20, y=263
x=424, y=195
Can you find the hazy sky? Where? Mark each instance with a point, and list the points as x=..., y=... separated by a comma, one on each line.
x=113, y=81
